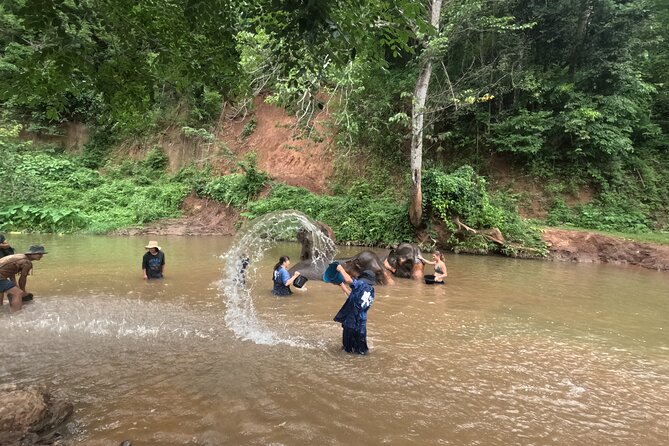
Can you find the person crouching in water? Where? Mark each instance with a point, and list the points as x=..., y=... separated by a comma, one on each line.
x=353, y=314
x=153, y=261
x=282, y=278
x=21, y=264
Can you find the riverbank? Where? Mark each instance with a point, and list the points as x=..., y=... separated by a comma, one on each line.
x=207, y=217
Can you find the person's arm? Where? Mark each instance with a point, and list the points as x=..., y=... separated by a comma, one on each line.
x=425, y=260
x=345, y=275
x=23, y=278
x=144, y=267
x=387, y=266
x=290, y=280
x=347, y=279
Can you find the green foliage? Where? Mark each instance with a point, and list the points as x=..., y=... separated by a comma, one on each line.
x=608, y=213
x=43, y=165
x=156, y=159
x=52, y=192
x=359, y=220
x=207, y=105
x=524, y=133
x=97, y=149
x=370, y=111
x=119, y=63
x=249, y=127
x=40, y=219
x=228, y=189
x=237, y=189
x=193, y=176
x=463, y=194
x=198, y=134
x=576, y=91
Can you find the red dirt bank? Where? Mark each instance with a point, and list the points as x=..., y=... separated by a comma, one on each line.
x=590, y=247
x=292, y=159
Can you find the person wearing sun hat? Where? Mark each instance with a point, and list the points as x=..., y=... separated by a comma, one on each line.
x=21, y=264
x=153, y=262
x=353, y=314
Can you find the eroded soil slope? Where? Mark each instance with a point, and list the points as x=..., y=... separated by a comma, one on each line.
x=290, y=157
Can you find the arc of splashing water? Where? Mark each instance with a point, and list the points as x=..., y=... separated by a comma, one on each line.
x=253, y=241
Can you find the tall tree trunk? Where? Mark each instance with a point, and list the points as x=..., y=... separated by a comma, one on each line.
x=417, y=120
x=582, y=28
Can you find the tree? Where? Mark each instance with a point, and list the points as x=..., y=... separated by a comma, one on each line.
x=417, y=120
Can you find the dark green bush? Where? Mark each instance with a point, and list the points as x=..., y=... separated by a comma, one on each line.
x=463, y=194
x=156, y=159
x=361, y=220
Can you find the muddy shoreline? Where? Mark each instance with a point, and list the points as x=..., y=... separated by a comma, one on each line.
x=207, y=217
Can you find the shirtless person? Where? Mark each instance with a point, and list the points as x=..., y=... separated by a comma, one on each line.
x=20, y=264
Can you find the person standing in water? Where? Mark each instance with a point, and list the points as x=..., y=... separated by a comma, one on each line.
x=282, y=278
x=440, y=271
x=353, y=314
x=21, y=264
x=153, y=262
x=5, y=249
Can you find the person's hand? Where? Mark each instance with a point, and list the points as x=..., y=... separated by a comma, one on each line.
x=340, y=268
x=297, y=273
x=145, y=277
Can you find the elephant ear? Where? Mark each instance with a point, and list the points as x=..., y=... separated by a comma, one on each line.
x=392, y=258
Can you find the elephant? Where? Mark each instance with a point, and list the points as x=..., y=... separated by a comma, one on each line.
x=313, y=261
x=404, y=261
x=367, y=260
x=354, y=266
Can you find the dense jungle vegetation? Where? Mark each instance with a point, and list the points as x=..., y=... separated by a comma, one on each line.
x=571, y=94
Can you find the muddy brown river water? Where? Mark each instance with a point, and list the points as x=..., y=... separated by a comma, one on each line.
x=508, y=352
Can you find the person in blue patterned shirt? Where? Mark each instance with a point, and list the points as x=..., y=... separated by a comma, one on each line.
x=353, y=314
x=282, y=278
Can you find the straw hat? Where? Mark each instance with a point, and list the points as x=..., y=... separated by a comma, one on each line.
x=153, y=244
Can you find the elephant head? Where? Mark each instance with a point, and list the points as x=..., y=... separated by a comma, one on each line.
x=310, y=265
x=367, y=260
x=404, y=262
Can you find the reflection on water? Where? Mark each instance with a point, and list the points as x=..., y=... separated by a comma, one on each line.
x=508, y=352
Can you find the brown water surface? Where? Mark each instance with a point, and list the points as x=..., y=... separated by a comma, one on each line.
x=508, y=352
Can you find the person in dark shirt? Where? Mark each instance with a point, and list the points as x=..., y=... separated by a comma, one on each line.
x=153, y=262
x=353, y=314
x=5, y=249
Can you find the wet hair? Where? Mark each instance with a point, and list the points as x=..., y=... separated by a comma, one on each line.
x=439, y=254
x=282, y=259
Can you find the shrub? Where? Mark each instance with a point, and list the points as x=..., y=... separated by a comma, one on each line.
x=463, y=194
x=361, y=220
x=156, y=159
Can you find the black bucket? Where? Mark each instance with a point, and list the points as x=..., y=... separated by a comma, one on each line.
x=429, y=279
x=300, y=281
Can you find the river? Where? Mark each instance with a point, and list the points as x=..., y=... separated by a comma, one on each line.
x=508, y=352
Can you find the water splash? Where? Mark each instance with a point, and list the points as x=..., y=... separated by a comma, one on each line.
x=253, y=242
x=109, y=316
